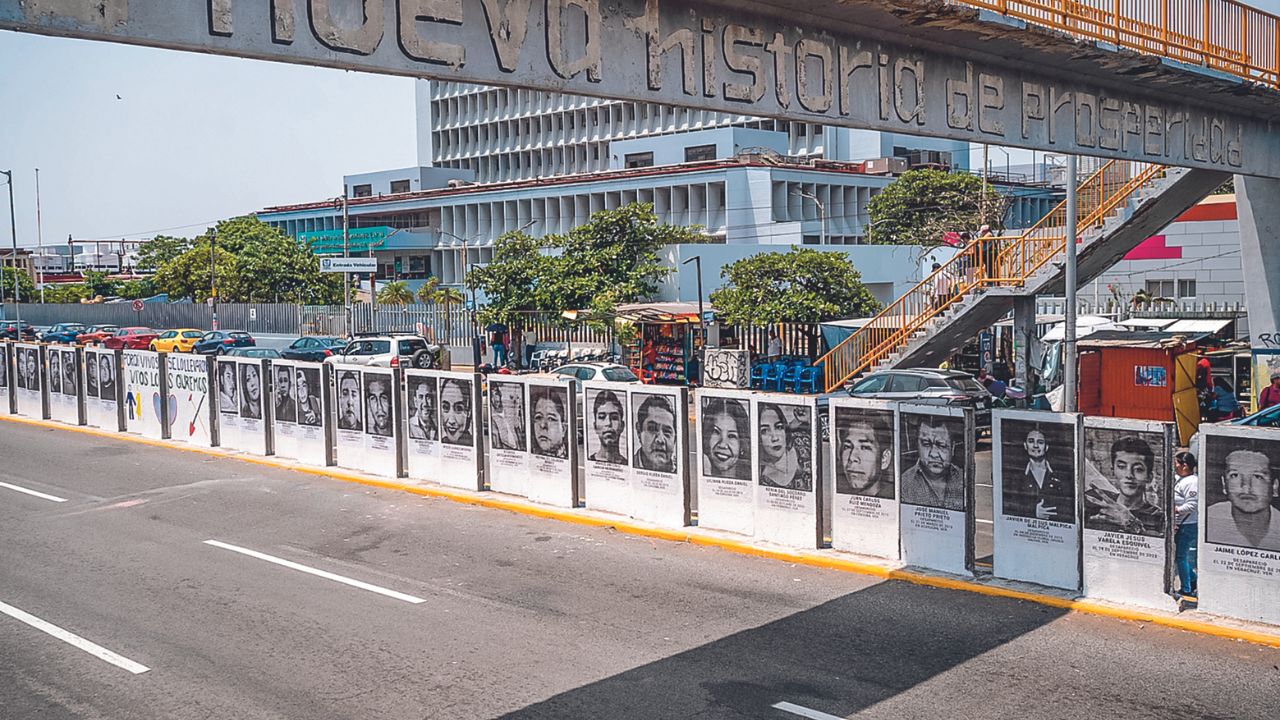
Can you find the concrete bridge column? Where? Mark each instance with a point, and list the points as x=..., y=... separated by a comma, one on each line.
x=1258, y=205
x=1024, y=339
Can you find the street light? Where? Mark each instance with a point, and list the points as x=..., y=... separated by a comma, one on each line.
x=822, y=214
x=13, y=229
x=702, y=318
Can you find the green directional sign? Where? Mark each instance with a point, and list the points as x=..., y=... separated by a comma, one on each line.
x=363, y=239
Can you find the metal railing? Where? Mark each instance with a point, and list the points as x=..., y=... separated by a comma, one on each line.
x=1224, y=35
x=983, y=263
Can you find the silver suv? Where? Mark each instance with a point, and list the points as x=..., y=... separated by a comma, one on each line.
x=411, y=351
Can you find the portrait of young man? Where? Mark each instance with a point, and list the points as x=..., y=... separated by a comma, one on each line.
x=655, y=430
x=422, y=409
x=349, y=416
x=607, y=439
x=1122, y=496
x=377, y=404
x=933, y=479
x=1039, y=474
x=864, y=453
x=107, y=377
x=507, y=416
x=285, y=406
x=307, y=393
x=1246, y=475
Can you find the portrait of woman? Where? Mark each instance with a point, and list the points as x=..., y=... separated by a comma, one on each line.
x=250, y=390
x=455, y=412
x=726, y=439
x=783, y=463
x=107, y=377
x=70, y=381
x=91, y=374
x=228, y=390
x=55, y=372
x=308, y=396
x=548, y=422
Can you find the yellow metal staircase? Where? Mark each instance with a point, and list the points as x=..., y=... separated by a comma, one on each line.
x=985, y=263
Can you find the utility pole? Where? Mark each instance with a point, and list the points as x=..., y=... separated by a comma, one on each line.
x=13, y=229
x=1069, y=354
x=346, y=253
x=213, y=275
x=39, y=239
x=822, y=217
x=702, y=318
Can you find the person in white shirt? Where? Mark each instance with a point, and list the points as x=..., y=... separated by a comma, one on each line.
x=1246, y=518
x=773, y=351
x=1186, y=493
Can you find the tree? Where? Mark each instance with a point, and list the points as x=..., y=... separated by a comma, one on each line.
x=67, y=293
x=395, y=293
x=432, y=292
x=512, y=280
x=160, y=250
x=920, y=206
x=801, y=285
x=26, y=288
x=98, y=284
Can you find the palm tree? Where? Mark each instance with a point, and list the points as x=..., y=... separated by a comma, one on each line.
x=395, y=293
x=445, y=297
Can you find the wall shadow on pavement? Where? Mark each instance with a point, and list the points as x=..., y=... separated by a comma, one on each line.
x=839, y=658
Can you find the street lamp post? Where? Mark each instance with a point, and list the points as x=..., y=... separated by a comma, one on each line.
x=822, y=216
x=39, y=239
x=702, y=318
x=13, y=230
x=213, y=275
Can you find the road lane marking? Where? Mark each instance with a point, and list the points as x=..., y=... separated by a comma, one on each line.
x=35, y=493
x=71, y=638
x=804, y=712
x=317, y=572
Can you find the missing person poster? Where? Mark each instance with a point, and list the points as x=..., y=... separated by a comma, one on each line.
x=142, y=411
x=935, y=450
x=297, y=415
x=101, y=389
x=381, y=424
x=726, y=482
x=30, y=380
x=253, y=401
x=1239, y=558
x=1034, y=470
x=553, y=449
x=189, y=400
x=6, y=372
x=659, y=420
x=445, y=406
x=864, y=494
x=787, y=470
x=228, y=390
x=607, y=425
x=348, y=402
x=508, y=436
x=65, y=387
x=1127, y=486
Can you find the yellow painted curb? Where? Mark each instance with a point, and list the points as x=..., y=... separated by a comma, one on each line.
x=691, y=536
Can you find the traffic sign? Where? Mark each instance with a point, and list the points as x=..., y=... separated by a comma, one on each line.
x=136, y=305
x=348, y=264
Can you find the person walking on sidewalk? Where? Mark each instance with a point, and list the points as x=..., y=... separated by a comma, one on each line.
x=1186, y=493
x=1270, y=394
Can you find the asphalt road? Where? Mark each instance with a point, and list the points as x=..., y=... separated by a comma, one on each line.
x=510, y=616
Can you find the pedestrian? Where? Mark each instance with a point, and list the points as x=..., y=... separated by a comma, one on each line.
x=1186, y=493
x=1270, y=394
x=989, y=251
x=774, y=350
x=941, y=288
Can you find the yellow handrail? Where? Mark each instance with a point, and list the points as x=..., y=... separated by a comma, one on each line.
x=1225, y=35
x=985, y=262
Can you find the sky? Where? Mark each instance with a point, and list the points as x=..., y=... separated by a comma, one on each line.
x=133, y=141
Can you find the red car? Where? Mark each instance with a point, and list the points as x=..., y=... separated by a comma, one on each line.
x=131, y=338
x=95, y=334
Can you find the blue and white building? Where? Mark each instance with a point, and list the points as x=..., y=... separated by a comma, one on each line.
x=495, y=160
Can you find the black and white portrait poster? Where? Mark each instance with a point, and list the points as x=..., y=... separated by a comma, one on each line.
x=380, y=421
x=101, y=409
x=1126, y=489
x=1239, y=559
x=284, y=408
x=253, y=397
x=461, y=440
x=785, y=435
x=608, y=462
x=227, y=383
x=508, y=437
x=55, y=371
x=64, y=385
x=422, y=412
x=28, y=381
x=70, y=372
x=726, y=483
x=864, y=492
x=297, y=411
x=4, y=368
x=1037, y=533
x=659, y=440
x=553, y=467
x=348, y=400
x=935, y=449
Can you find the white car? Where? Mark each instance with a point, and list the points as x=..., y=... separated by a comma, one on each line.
x=410, y=351
x=593, y=371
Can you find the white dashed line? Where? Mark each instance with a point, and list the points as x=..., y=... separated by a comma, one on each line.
x=318, y=573
x=71, y=638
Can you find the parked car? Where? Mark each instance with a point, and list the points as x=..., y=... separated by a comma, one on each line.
x=9, y=331
x=217, y=342
x=929, y=387
x=65, y=333
x=130, y=338
x=389, y=351
x=180, y=340
x=95, y=334
x=254, y=352
x=1266, y=417
x=313, y=349
x=576, y=373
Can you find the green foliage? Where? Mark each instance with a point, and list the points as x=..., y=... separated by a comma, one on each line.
x=134, y=289
x=802, y=285
x=98, y=284
x=160, y=250
x=67, y=293
x=921, y=205
x=610, y=260
x=26, y=288
x=254, y=263
x=395, y=293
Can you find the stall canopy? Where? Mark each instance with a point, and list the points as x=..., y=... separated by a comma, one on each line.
x=661, y=312
x=835, y=332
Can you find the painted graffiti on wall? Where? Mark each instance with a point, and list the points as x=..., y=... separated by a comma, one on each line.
x=727, y=369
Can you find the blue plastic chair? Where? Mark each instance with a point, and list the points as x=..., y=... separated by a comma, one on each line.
x=772, y=375
x=808, y=380
x=788, y=378
x=758, y=373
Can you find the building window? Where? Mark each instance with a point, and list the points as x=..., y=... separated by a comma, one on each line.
x=361, y=191
x=399, y=186
x=1186, y=288
x=638, y=160
x=699, y=153
x=1160, y=288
